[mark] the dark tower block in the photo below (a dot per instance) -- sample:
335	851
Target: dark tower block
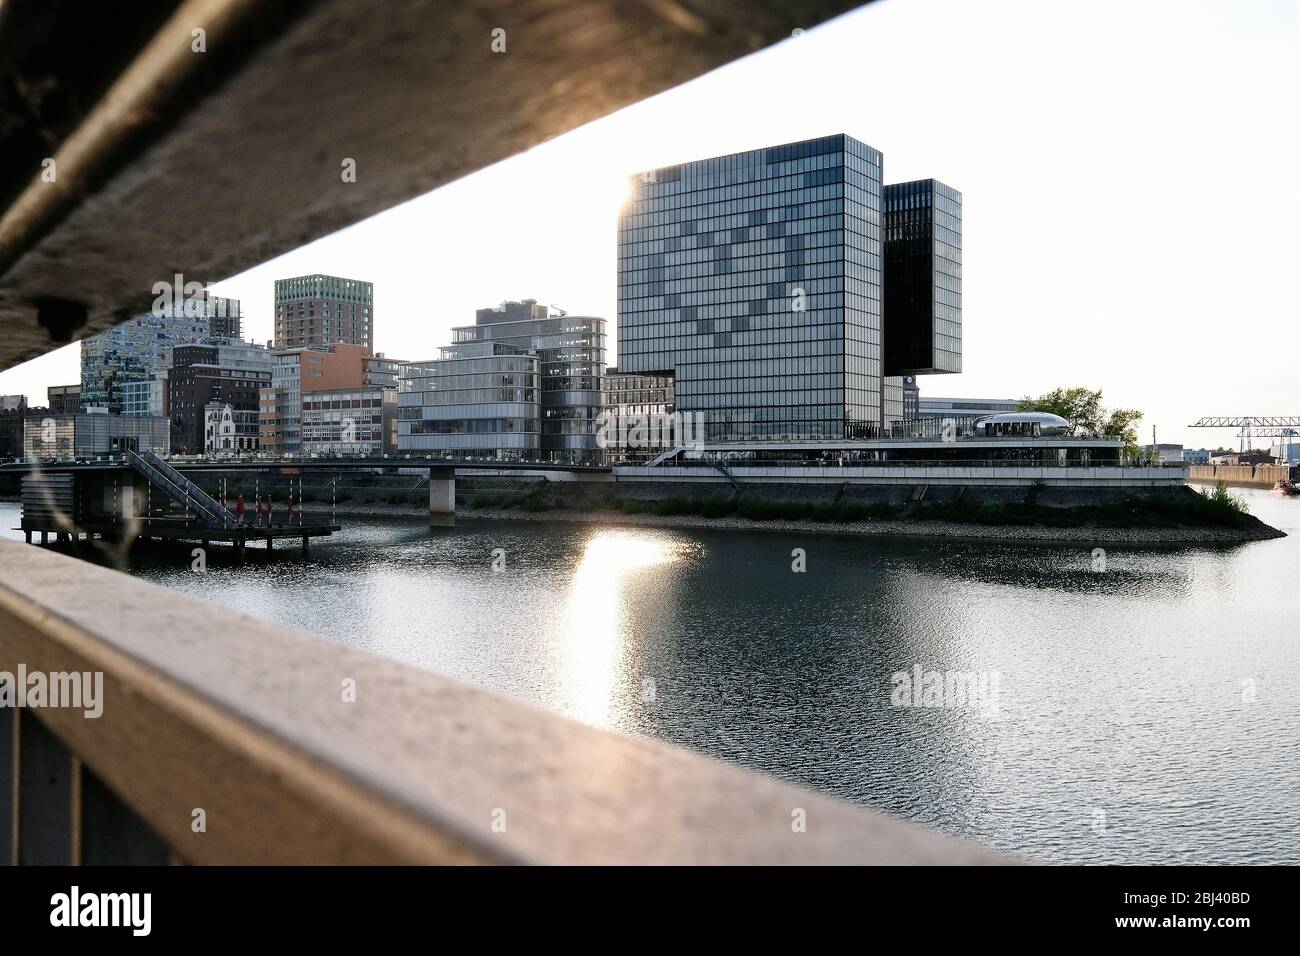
922	287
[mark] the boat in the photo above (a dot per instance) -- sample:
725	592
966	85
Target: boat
1286	486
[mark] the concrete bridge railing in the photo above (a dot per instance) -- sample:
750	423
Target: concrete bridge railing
224	739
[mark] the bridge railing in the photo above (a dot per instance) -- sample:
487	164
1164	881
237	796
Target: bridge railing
225	739
735	462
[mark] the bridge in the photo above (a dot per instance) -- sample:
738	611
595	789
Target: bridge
441	471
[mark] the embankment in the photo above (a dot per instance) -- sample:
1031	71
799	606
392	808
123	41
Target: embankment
1241	476
1101	515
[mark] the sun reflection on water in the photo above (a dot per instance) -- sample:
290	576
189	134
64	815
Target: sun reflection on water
611	562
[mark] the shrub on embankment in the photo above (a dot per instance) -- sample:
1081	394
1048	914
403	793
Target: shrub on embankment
1181	508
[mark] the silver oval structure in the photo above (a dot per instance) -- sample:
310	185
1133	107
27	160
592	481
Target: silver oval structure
1022	425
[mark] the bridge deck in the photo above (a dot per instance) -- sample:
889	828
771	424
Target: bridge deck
310	464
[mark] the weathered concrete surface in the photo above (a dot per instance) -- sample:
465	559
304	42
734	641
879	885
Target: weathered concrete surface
1244	476
206	164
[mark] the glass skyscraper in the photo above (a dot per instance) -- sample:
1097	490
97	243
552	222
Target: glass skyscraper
523	382
478	400
757	281
922	278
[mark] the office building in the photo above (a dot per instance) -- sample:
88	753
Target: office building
224	318
147	396
1287	448
13	410
492	395
947	417
308	369
478	400
922	278
64	399
355	421
381	370
639	416
320	310
570	351
965	407
134	351
1164	451
54	437
226	372
756	281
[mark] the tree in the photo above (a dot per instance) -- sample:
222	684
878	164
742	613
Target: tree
1082	408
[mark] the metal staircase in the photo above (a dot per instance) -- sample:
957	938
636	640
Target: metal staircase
728	475
665	456
179	488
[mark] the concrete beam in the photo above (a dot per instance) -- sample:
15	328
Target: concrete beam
206	163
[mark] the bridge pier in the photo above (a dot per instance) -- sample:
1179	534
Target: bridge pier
442	497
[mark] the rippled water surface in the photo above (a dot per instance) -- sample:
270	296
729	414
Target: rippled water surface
1146	713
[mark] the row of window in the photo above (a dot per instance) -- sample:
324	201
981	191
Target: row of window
778	199
414	401
721	282
470	426
734	214
706	247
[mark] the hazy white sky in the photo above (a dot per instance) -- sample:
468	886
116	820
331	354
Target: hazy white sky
1128	171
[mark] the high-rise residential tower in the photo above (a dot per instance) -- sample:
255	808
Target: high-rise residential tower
323	310
757	280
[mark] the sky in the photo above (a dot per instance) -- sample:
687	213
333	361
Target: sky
1130	215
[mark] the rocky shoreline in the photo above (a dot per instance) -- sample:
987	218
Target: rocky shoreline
926	529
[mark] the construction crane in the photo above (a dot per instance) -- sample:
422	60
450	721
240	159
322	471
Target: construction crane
1253	426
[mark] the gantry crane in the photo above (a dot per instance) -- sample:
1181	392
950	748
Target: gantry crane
1254	426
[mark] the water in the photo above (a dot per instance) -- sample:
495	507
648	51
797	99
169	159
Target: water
1144	714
